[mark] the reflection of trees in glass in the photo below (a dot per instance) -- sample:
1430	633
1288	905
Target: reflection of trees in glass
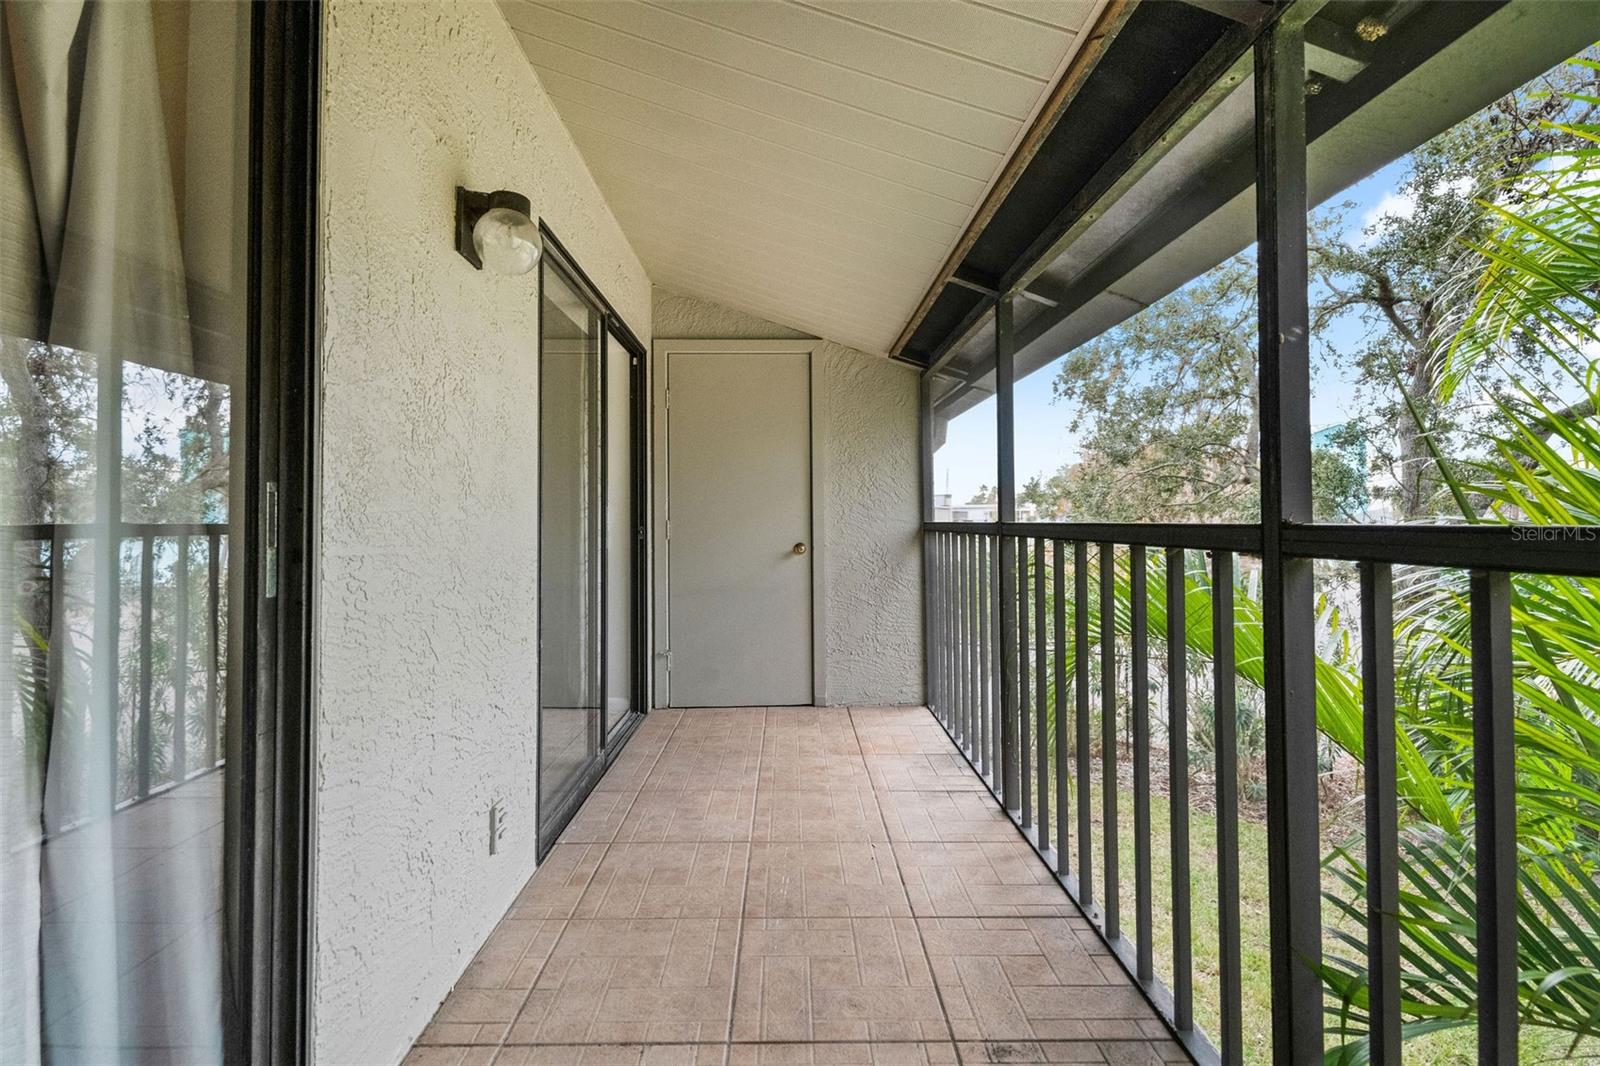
47	432
175	466
174	469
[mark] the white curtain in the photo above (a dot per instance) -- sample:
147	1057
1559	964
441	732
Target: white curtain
92	268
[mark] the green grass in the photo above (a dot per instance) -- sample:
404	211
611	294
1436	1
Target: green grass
1449	1047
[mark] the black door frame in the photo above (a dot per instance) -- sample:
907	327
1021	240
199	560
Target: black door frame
613	737
270	884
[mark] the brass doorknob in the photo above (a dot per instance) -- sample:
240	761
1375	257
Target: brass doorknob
800	548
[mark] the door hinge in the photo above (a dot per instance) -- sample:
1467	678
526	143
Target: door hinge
666	399
669	529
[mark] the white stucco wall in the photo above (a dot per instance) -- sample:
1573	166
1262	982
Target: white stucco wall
426	621
873	521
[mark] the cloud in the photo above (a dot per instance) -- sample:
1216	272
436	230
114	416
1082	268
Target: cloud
1397	205
1390	205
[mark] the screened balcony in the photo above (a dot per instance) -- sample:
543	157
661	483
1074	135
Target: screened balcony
856	533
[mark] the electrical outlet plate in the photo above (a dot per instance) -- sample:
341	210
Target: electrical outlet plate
497	826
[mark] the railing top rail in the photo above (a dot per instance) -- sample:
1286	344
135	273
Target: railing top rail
85	530
1221	537
1567	550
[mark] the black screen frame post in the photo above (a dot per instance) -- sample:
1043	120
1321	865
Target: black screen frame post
270	957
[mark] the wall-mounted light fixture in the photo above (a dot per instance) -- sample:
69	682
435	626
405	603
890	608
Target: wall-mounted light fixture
495	230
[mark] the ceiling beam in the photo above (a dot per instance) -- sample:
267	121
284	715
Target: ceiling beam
1095	45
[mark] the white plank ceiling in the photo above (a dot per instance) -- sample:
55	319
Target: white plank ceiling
809	161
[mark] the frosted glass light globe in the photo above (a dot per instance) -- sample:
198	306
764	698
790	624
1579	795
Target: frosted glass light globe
506	240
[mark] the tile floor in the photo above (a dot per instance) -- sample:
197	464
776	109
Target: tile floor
791	886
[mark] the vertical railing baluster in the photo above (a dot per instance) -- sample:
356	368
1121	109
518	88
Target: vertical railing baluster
1110	906
1080	682
980	609
1041	674
1138	623
1495	825
142	728
946	641
180	670
1011	780
940	702
996	648
974	674
981	652
1383	841
55	662
1058	552
214	652
1227	787
969	643
1024	676
1178	788
930	567
964	620
957	641
952	633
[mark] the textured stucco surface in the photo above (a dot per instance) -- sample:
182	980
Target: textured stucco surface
427	613
872	532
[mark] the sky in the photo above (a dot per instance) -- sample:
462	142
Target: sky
1043	441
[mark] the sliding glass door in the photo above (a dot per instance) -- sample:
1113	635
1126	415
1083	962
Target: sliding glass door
140	462
592	508
571	509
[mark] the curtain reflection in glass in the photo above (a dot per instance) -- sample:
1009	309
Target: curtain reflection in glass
122	199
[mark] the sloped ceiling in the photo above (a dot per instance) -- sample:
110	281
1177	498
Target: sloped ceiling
809	161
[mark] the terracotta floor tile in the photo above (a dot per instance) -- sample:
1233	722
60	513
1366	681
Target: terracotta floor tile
456	1034
844	814
833	979
687	765
722	723
513	955
814	769
613	1055
905	740
630	770
426	1055
1030	1052
690	815
928	1053
656	980
951	817
668	880
1022	979
911	773
474	1016
801	731
598	820
988	878
556	886
824	879
805	886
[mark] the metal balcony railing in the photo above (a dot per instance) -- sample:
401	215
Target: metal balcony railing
1022	660
71	598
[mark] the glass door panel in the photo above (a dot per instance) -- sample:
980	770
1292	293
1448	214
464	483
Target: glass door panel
621	523
123	398
571	569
